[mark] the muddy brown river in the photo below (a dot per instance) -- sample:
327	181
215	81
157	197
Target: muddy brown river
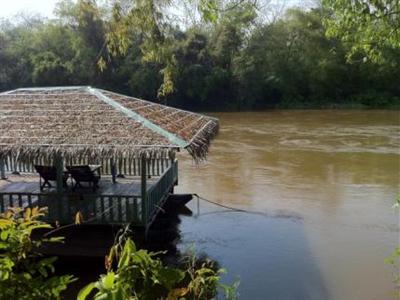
321	185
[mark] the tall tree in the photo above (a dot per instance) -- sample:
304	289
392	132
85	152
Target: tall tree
152	20
369	27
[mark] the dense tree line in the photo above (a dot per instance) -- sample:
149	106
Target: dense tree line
236	62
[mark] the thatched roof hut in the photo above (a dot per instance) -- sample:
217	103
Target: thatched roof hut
89	122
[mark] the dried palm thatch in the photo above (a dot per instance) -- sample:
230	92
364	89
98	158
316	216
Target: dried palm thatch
77	122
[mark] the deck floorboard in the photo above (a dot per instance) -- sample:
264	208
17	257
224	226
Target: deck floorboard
30	184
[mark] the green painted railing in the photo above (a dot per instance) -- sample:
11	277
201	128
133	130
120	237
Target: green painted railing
159	192
95	209
99	209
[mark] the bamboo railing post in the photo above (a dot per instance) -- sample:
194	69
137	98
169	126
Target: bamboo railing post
2	169
113	170
143	186
172	159
59	164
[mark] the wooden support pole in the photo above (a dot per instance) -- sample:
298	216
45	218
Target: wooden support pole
175	163
113	170
143	169
2	169
59	164
174	169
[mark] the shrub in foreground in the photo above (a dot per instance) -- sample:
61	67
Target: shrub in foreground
140	274
131	273
25	273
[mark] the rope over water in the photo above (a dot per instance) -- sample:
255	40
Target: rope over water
230	209
233	209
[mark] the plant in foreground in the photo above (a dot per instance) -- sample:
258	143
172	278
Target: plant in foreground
140	274
24	273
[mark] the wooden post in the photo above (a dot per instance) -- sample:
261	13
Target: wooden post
113	170
143	168
59	164
176	172
2	169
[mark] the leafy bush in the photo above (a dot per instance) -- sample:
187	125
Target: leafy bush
24	273
141	275
131	273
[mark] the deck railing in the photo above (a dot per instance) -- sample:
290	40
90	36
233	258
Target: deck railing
95	209
159	192
126	166
99	209
16	199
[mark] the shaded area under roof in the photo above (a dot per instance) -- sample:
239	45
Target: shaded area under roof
94	123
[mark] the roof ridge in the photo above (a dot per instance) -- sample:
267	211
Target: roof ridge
47	88
151	102
139	118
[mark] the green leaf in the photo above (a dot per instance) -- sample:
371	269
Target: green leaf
85	291
118	294
43	271
108	280
57	239
4	235
129	248
170	277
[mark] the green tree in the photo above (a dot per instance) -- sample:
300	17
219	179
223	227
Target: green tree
369	27
151	19
226	58
86	20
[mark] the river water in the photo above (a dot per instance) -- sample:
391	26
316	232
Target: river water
321	184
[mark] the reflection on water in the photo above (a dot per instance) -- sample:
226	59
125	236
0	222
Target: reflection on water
270	255
326	181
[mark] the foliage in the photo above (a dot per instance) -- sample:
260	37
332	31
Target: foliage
370	27
139	274
131	273
227	59
24	274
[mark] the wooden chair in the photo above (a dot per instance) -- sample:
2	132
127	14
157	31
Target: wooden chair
49	173
85	173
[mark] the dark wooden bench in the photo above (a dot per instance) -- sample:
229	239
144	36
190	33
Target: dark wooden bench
85	173
49	173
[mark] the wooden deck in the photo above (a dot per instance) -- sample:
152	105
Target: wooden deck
112	203
30	184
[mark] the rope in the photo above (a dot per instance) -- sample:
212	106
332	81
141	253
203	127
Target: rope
82	222
230	209
233	209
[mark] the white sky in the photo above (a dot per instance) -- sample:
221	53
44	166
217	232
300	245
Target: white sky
9	8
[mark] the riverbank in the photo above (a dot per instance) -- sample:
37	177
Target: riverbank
349	104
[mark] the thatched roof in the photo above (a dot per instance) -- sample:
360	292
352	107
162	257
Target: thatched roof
89	122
